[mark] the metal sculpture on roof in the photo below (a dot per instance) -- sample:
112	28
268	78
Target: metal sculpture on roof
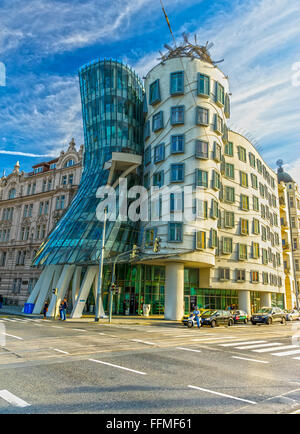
188	49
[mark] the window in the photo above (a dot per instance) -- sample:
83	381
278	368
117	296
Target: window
229	194
255	250
256	227
217	152
177	83
265	278
41	208
60	202
201	178
218	124
244	227
69	163
146	180
216	180
259	166
159	153
154	92
201	149
252	160
147	156
177	172
254	276
38	170
265	256
229	219
227	106
52	166
70	179
229	170
201	208
25	211
228	150
202	116
220	94
214	211
242	154
176	202
147	130
158	179
12	193
254	181
177	144
295	244
213	238
263	233
203	85
157	121
255	203
64	180
244	202
224	274
243	253
243	179
175	232
200	240
240	275
177	115
226	245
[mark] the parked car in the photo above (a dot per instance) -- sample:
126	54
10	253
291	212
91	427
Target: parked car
240	316
269	315
292	315
217	317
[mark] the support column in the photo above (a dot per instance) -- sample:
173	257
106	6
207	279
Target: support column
47	282
244	301
265	299
62	286
174	291
39	284
76	284
84	291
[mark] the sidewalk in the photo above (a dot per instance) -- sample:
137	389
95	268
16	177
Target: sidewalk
89	318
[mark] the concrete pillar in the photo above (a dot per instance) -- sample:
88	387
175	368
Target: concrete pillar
174	291
47	283
39	284
244	301
84	291
76	284
62	286
265	299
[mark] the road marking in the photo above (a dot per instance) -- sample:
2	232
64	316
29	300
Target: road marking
251	360
79	330
57	327
266	350
188	349
8	319
249	347
222	394
142	342
296	358
117	366
13	399
60	351
213	339
286	353
12	336
241	343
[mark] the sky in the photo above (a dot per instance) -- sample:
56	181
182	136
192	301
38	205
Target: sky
44	42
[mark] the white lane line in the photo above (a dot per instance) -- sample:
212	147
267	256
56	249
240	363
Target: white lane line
222	394
296	358
212	339
241	343
287	353
266	350
117	366
13	399
251	360
60	351
12	336
79	330
57	327
102	334
188	349
249	347
143	342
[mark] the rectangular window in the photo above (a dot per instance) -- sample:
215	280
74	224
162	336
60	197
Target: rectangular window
254	276
252	160
244	227
265	256
244	202
254	181
203	85
226	245
218	124
175	232
243	253
157	121
214	211
147	156
177	172
255	250
229	170
177	144
229	194
202	116
256	227
216	180
159	153
201	149
158	178
201	178
200	240
177	115
213	238
201	208
217	152
228	150
243	179
220	94
224	274
177	83
242	154
263	233
154	92
147	130
229	219
176	202
70	179
240	275
255	203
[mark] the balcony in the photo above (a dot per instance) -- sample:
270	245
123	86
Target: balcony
286	247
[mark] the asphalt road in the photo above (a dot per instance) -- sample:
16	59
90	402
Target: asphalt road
75	367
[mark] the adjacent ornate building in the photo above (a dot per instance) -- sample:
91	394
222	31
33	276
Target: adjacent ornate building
31	204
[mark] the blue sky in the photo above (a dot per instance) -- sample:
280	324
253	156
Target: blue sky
44	42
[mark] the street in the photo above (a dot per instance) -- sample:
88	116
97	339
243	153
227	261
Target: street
51	366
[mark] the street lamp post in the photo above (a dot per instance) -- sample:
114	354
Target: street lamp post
100	277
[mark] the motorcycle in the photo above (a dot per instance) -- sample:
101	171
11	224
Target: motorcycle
192	322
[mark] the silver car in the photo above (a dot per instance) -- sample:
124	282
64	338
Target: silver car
292	315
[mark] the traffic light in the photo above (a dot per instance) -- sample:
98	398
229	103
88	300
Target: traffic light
156	247
135	250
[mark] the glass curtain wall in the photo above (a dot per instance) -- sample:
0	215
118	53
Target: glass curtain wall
112	110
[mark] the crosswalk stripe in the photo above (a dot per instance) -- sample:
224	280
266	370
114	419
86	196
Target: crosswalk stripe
213	339
265	350
232	344
286	353
296	358
13	399
249	347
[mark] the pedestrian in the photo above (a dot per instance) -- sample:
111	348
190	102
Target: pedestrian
64	309
61	311
45	309
197	316
1	301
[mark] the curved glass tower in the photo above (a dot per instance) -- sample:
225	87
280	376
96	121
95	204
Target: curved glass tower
112	108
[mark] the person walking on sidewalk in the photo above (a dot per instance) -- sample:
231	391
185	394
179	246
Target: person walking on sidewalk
1	301
45	309
64	309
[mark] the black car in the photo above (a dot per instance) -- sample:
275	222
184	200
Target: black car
269	315
217	317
